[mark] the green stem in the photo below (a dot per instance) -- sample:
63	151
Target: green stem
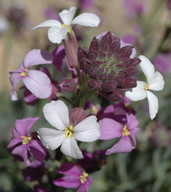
67	100
79	76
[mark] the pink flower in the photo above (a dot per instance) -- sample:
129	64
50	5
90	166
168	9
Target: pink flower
75	177
37	82
24	145
111	129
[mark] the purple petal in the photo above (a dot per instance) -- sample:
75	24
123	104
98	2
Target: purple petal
85	187
13	142
69	169
110	129
132	121
37	150
123	44
58	57
29	98
14	79
22	151
37	57
38	83
23	126
122	146
132	136
68	182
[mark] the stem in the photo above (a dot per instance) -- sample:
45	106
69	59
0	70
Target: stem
67	100
79	76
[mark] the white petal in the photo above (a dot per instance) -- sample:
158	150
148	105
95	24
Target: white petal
153	104
70	148
67	15
56	34
56	113
157	83
137	93
49	23
51	138
87	19
147	67
87	130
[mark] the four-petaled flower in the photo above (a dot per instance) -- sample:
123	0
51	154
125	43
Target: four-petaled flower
75	177
111	129
154	82
24	144
37	82
57	114
58	31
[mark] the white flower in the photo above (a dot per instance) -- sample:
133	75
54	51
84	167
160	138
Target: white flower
65	135
58	31
154	82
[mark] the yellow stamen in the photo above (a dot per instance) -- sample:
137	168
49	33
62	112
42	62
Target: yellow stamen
83	177
95	109
24	73
147	86
26	140
69	27
69	131
125	131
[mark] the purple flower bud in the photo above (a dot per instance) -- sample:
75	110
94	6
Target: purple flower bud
69	85
110	65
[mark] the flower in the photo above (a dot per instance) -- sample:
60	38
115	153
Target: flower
154	82
111	129
75	177
56	113
25	145
58	31
110	65
37	82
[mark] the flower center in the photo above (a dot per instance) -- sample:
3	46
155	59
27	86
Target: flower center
24	73
147	86
83	177
69	131
95	109
26	140
125	131
69	27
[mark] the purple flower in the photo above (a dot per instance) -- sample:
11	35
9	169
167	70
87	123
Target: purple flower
163	62
75	177
24	144
92	161
37	82
111	129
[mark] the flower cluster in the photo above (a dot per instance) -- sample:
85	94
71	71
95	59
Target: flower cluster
106	72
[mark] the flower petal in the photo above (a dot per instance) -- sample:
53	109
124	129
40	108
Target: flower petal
137	93
67	15
38	83
153	104
37	150
87	19
14	79
51	138
122	146
147	67
132	121
23	126
69	169
87	130
157	83
70	148
68	182
85	186
56	35
37	57
49	23
110	129
57	114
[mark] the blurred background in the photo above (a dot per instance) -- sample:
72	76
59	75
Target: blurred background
145	24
